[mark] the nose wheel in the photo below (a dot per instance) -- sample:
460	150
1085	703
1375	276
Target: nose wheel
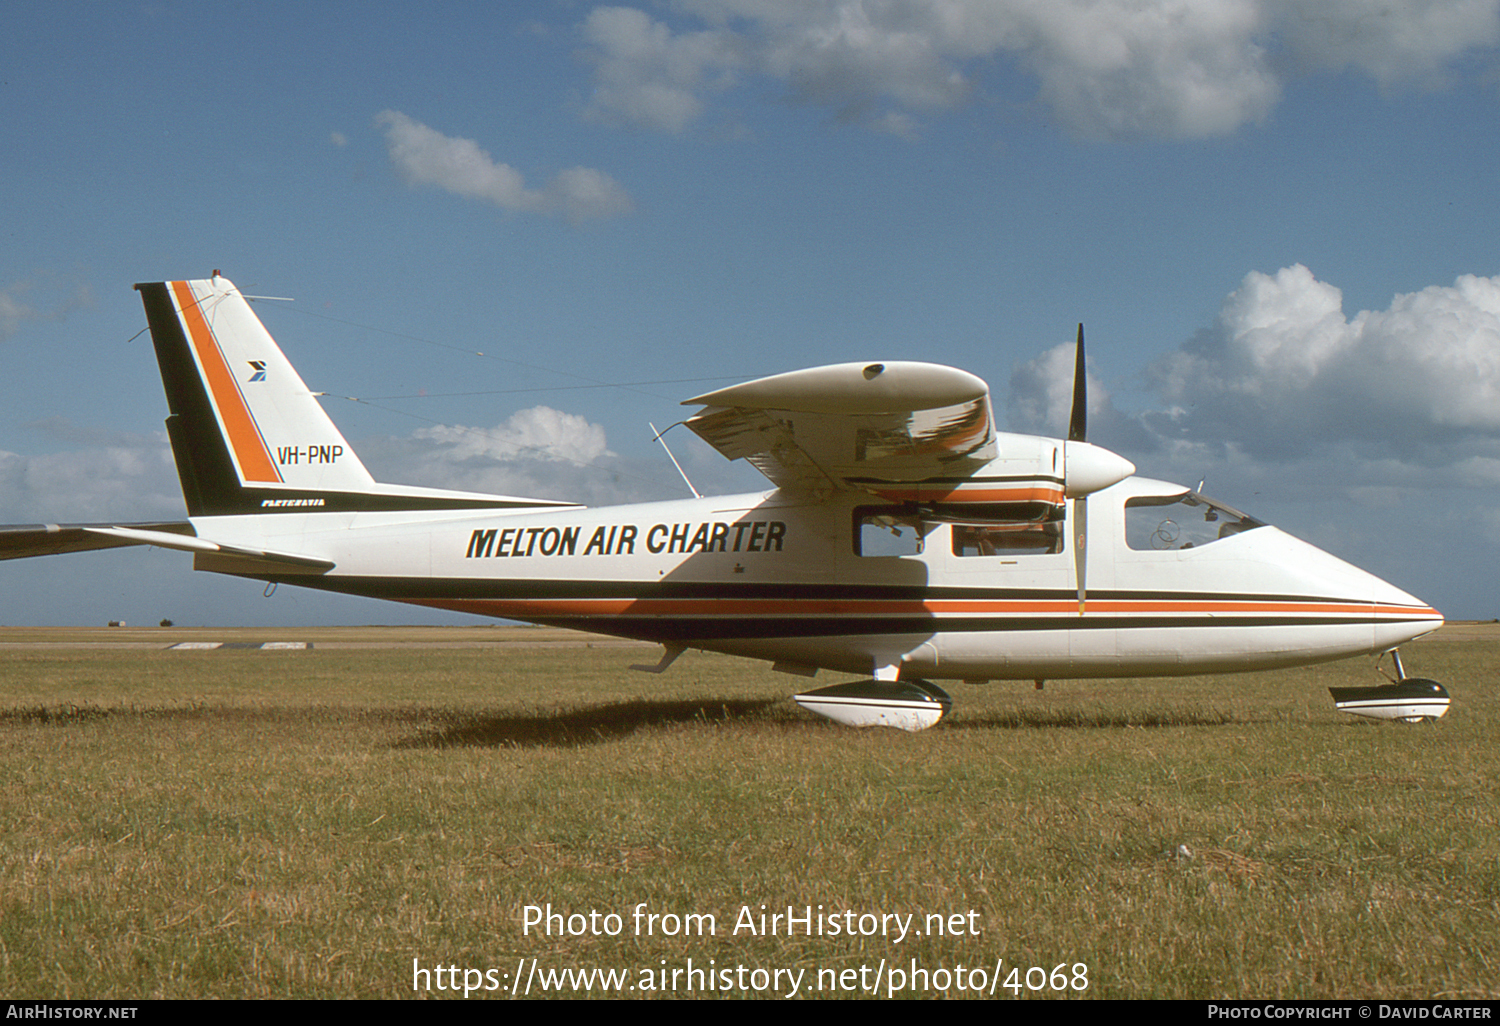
1407	699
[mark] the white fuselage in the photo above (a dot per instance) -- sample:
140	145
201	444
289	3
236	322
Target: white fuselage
758	576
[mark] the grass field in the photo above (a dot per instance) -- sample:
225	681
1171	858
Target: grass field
321	823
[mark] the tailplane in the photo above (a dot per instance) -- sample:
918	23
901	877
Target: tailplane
247	434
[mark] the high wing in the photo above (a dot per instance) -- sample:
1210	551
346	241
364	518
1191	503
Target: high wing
816	430
913	433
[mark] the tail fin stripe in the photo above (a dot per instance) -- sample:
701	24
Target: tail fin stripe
250	452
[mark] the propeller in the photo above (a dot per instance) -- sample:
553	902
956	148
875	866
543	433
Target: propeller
1086	469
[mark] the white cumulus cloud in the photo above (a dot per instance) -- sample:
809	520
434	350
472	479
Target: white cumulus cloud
1041	392
1411	40
1108	69
648	76
537	453
540	433
1284	368
101	476
1171	68
1286	385
425	156
41	297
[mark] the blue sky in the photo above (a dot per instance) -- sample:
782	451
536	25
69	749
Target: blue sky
1278	219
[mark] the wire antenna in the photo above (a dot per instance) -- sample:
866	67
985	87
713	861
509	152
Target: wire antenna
663	441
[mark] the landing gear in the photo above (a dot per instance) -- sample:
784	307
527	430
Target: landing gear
1408	699
910	705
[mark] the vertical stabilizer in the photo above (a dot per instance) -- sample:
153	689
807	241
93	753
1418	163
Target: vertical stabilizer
247	433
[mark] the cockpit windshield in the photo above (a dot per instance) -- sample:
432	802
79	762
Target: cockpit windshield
1184	521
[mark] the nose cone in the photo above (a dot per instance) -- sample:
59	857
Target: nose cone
1401	617
1395	615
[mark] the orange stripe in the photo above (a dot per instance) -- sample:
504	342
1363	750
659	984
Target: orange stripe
239	426
888	607
931	493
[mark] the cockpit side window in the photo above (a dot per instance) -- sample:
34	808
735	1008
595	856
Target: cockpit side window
1008	539
1186	521
888	531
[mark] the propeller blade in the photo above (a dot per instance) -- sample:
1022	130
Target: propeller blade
1081	547
1078	424
1078	429
1086	467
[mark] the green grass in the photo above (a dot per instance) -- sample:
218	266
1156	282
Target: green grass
305	824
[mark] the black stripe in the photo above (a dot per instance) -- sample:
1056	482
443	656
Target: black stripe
210	485
513	589
678	629
704	629
290	500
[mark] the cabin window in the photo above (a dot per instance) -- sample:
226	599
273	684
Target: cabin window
1186	521
887	531
1008	539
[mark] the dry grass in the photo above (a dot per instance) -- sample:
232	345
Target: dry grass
305	824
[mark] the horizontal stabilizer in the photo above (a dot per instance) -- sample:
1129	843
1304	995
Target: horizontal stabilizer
187	543
51	539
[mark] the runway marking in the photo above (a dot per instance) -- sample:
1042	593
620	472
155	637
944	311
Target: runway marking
264	646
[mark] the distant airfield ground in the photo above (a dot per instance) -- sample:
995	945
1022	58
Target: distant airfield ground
497	635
